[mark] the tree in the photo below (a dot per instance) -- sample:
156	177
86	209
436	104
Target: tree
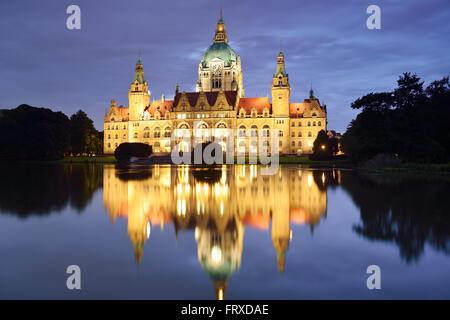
321	147
408	122
84	137
29	133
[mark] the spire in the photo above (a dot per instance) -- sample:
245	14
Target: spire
221	21
139	72
311	93
221	34
280	65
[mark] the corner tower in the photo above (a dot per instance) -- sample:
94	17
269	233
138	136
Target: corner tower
138	94
220	67
281	89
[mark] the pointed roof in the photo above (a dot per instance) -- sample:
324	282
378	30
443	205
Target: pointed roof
139	72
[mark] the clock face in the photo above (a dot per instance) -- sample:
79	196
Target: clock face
216	69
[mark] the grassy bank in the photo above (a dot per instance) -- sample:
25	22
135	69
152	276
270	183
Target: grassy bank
98	159
416	167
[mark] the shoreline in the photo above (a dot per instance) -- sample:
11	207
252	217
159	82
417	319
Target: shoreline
302	161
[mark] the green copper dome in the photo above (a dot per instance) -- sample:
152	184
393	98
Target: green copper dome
219	50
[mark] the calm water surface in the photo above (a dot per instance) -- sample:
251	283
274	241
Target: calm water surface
182	233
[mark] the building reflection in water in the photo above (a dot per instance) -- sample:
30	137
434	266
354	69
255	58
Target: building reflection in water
218	204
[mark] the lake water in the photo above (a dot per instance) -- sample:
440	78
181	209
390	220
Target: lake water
169	232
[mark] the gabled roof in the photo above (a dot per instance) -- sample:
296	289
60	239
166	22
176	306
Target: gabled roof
259	104
160	106
298	108
211	97
122	111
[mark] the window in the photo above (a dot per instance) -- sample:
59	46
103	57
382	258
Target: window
320	123
299	143
293	143
109	145
292	124
241	132
254	131
299	134
314	123
293	134
266	131
157	133
299	123
135	135
125	136
167	132
117	136
109	136
309	124
309	134
280	133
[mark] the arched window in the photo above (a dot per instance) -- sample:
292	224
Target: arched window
280	133
299	143
241	132
309	134
299	123
254	131
293	134
117	127
157	133
299	134
117	136
109	136
135	135
253	113
109	145
125	136
314	123
167	132
320	123
309	124
266	131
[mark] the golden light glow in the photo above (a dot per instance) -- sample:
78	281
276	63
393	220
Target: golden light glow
310	180
216	254
221	294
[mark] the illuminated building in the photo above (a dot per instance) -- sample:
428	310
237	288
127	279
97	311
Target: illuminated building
218	105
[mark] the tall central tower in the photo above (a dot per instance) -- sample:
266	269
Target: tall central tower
138	94
220	67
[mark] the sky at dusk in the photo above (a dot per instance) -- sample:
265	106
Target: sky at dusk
326	43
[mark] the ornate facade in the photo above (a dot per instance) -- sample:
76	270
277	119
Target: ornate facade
218	106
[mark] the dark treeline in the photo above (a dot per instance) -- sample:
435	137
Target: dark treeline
410	123
410	211
29	133
39	189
